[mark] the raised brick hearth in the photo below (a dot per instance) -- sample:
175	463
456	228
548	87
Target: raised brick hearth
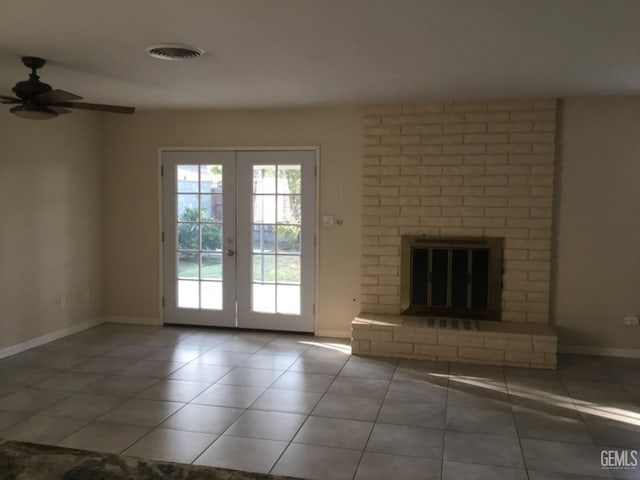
484	342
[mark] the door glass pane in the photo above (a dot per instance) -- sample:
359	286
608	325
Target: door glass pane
188	265
288	239
211	294
187	178
264	179
264	209
289	179
211	266
188	295
289	299
263	298
264	268
188	236
187	208
459	277
211	237
211	208
210	178
264	238
289	208
288	269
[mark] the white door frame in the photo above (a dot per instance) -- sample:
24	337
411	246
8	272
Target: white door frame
161	212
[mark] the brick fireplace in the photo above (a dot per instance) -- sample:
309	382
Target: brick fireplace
461	169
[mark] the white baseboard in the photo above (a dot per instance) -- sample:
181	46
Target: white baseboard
49	337
133	320
333	333
601	351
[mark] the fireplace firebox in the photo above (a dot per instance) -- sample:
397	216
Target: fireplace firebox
452	276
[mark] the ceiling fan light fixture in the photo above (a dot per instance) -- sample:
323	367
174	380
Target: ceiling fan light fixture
174	51
33	112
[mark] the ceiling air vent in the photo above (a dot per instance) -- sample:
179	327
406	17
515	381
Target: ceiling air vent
174	51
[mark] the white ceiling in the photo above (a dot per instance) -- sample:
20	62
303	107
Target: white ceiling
266	53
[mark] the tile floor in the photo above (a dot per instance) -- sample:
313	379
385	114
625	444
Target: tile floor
302	406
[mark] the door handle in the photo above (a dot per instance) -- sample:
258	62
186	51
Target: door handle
230	253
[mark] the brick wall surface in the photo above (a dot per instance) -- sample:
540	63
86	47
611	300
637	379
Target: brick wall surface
460	169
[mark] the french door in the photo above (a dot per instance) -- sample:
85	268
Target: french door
239	230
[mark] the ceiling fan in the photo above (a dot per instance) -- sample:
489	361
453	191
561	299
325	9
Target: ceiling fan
38	101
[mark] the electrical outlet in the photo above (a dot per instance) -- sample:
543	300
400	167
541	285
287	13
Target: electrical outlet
631	320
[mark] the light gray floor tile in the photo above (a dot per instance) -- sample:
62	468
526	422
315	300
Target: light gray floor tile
11	418
537	475
42	429
362	387
70	381
60	360
292	401
365	367
562	426
471	471
421	392
173	391
478	372
497	422
403	440
120	386
225	359
426	374
150	369
148	413
25	376
133	351
622	434
376	466
31	400
501	451
562	457
348	406
306	382
10	387
627	376
178	355
203	418
412	414
229	396
334	432
433	367
250	377
269	362
312	364
317	463
104	365
612	395
195	372
83	406
171	445
266	425
105	437
477	398
232	452
239	345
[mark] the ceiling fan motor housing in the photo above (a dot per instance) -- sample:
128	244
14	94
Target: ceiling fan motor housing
28	89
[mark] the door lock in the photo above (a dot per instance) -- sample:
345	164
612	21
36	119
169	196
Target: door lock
230	253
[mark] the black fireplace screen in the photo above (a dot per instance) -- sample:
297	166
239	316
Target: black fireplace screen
452	276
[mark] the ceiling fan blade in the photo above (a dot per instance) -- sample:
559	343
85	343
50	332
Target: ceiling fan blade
56	96
97	107
5	99
59	110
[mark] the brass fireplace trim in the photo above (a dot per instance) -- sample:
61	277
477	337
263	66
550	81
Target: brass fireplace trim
495	247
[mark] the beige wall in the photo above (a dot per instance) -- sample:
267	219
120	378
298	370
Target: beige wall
50	242
597	251
131	213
